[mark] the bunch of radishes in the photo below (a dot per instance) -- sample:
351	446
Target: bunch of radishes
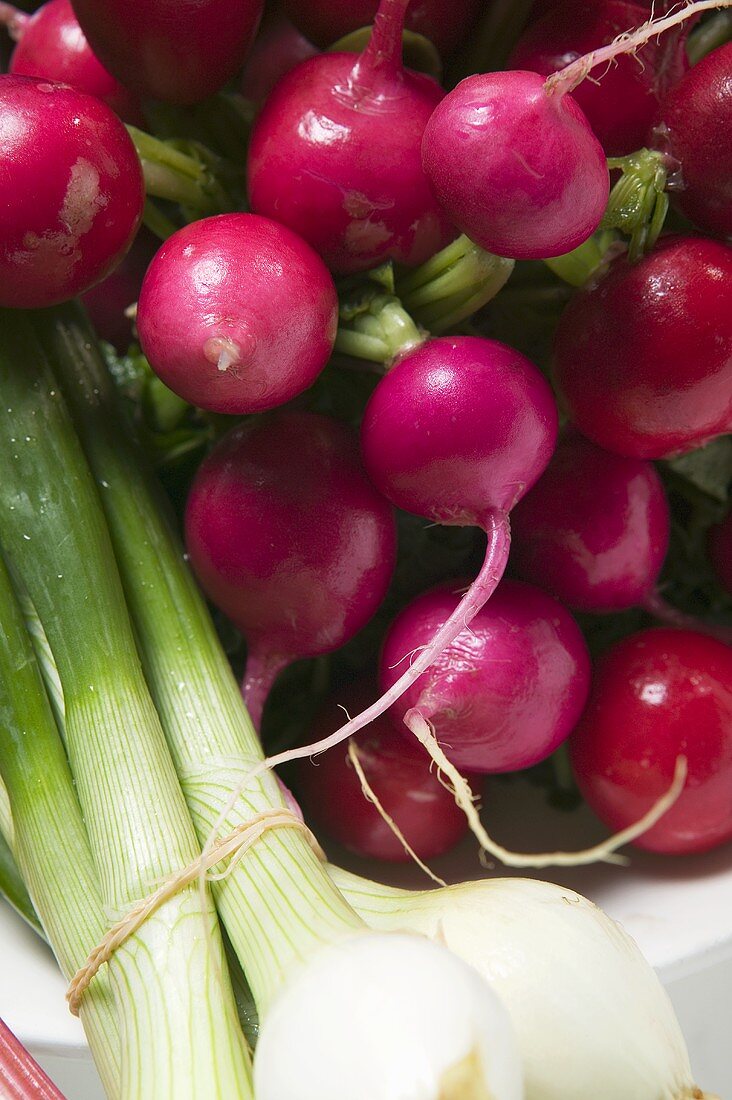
359	169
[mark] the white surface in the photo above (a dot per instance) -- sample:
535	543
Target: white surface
678	910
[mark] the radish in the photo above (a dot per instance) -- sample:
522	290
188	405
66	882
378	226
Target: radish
72	192
643	357
622	105
515	168
51	45
290	540
180	51
335	154
444	22
696	128
507	691
594	530
657	695
237	314
399	774
278	47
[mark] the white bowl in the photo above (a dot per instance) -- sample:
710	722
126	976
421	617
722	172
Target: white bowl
679	911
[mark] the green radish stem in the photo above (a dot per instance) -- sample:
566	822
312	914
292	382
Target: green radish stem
56	539
277	905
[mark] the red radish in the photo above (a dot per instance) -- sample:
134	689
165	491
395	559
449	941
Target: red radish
456	432
720	551
594	530
696	128
516	169
444	22
643	357
278	47
507	691
658	695
71	192
335	154
290	540
21	1078
237	314
107	302
399	774
51	45
622	105
180	51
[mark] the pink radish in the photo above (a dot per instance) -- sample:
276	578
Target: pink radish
237	314
399	775
51	45
71	192
180	51
290	540
335	154
444	22
507	691
622	105
696	128
643	357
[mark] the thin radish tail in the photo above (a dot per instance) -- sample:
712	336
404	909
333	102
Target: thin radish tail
14	20
656	605
384	49
499	540
567	79
260	673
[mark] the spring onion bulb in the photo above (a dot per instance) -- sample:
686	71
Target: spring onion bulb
591	1017
390	1016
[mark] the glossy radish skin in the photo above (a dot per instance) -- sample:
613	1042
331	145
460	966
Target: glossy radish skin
621	106
278	47
506	692
107	303
643	357
237	314
515	168
71	192
656	695
444	22
399	773
696	128
459	427
335	155
180	51
289	539
594	530
52	46
720	551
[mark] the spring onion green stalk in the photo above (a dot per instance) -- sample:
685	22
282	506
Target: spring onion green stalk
591	1017
13	889
280	909
49	838
180	1037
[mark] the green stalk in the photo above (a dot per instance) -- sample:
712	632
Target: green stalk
189	176
12	887
577	266
180	1037
376	327
49	838
278	905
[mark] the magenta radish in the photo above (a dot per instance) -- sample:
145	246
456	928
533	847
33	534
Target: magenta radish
51	45
643	357
656	696
444	22
507	691
335	154
516	169
180	51
398	773
621	106
594	530
71	192
278	47
696	128
288	537
237	314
